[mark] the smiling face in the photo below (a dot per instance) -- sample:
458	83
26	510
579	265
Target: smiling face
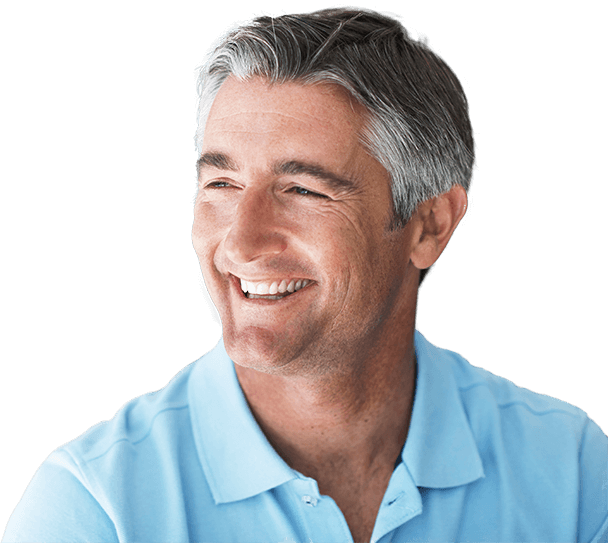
291	229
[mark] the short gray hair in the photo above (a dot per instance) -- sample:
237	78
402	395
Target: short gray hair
418	124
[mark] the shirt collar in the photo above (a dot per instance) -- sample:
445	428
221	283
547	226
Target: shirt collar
230	444
440	451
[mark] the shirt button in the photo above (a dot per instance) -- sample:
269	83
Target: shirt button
310	500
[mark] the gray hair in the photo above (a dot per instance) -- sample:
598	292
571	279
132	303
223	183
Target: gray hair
418	125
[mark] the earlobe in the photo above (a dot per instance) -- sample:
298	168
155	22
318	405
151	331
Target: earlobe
437	219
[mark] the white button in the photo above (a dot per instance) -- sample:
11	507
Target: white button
309	500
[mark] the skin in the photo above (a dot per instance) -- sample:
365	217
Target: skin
329	371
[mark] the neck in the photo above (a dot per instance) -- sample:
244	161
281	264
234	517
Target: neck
354	419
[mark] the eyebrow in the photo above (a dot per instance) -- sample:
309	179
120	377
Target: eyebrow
222	161
216	160
295	167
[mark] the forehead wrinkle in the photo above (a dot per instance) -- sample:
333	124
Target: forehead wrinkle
261	121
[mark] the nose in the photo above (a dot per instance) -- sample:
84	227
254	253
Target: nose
255	229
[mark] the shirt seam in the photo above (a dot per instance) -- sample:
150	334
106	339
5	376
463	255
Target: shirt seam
520	403
138	441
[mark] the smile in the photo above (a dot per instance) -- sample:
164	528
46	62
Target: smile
272	290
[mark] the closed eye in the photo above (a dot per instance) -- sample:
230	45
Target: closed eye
218	185
307	192
298	190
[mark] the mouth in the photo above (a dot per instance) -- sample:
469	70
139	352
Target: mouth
275	289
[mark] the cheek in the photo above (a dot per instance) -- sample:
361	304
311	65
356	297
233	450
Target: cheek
345	260
206	230
371	269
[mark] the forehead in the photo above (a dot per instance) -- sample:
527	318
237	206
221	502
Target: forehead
256	106
258	92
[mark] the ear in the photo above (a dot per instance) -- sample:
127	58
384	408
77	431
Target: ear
436	219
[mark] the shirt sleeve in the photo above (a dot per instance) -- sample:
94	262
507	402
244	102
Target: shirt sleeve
593	498
57	507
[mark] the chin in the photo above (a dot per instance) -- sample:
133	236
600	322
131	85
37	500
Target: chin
267	351
262	350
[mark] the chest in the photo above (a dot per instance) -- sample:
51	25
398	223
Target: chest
360	505
360	520
360	515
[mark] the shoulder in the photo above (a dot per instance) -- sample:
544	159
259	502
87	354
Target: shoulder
497	406
137	421
544	449
75	492
510	424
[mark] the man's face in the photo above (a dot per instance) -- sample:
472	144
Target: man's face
293	210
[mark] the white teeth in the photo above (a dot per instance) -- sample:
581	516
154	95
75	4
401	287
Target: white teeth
262	288
276	287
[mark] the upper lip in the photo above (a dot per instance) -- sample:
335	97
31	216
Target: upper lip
271	279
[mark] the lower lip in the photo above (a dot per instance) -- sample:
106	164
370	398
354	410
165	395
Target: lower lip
237	283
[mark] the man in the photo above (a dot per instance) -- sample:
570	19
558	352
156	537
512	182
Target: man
334	158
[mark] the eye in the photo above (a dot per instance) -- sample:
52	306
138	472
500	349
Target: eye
306	192
217	185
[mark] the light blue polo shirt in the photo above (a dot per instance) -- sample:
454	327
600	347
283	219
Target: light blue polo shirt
484	461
